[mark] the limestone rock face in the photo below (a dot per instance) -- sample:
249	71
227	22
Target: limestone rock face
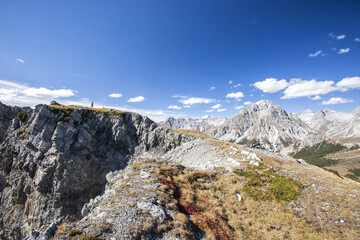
51	164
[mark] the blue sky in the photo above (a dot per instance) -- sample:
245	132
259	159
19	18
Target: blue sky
196	57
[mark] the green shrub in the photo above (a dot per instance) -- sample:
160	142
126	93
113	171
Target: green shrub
73	232
193	177
315	154
355	171
352	177
354	147
270	186
65	119
284	188
22	116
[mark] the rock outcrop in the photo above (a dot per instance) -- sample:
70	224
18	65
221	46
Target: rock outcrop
54	160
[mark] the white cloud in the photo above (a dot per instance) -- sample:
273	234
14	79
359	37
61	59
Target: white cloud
136	99
340	37
308	88
317	97
271	85
179	96
247	103
216	106
20	60
47	93
192	101
239	107
230	82
237	85
357	39
349	82
336	100
174	107
209	111
236	96
22	95
221	110
211	88
315	54
16	94
187	106
115	95
343	50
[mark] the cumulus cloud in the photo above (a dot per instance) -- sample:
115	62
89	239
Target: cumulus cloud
17	94
313	89
211	88
196	100
340	37
22	95
236	96
343	50
357	39
237	85
349	82
221	110
47	93
136	99
317	97
271	85
216	106
230	82
174	107
20	60
115	95
336	100
187	106
209	111
315	54
308	88
239	107
247	103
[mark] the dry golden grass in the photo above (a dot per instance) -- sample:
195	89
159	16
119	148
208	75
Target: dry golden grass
97	110
210	197
61	229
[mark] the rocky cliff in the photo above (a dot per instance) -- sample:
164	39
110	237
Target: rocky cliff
54	159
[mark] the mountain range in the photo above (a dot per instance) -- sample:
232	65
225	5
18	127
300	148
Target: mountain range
265	124
333	124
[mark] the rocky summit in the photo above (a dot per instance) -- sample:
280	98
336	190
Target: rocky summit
265	125
68	172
